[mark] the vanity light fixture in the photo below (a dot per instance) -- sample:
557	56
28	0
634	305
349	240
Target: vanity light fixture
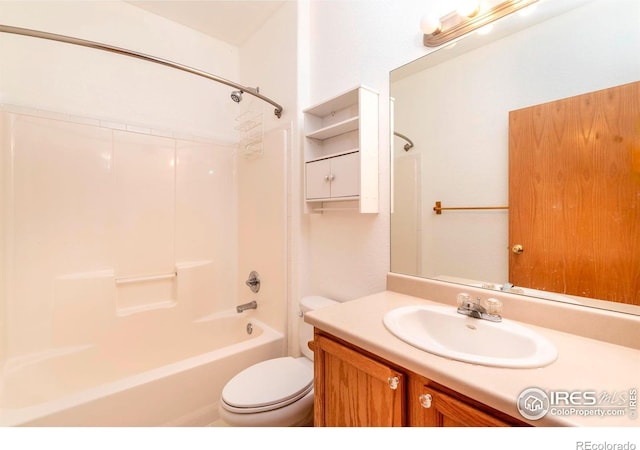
468	16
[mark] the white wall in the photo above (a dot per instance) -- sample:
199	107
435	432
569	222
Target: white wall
352	43
262	226
61	77
86	205
4	141
268	59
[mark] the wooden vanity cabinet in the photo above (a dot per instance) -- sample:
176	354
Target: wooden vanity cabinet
355	388
431	407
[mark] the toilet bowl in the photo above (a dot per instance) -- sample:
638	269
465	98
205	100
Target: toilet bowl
277	392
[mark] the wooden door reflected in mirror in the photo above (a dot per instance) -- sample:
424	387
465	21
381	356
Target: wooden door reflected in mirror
574	190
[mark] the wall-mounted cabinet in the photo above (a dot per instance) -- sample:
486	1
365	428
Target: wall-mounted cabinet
341	151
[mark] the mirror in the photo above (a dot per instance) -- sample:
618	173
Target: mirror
454	105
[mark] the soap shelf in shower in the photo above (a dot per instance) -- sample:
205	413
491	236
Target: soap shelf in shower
129	310
136	294
145	278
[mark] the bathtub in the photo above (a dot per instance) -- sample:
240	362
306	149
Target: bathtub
170	377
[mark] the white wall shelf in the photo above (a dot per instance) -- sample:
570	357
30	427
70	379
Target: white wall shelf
337	129
341	151
333	155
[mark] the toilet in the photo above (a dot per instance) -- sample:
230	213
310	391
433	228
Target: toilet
277	392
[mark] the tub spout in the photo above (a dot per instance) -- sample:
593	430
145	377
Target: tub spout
245	306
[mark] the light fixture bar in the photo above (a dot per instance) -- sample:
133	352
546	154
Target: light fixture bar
470	24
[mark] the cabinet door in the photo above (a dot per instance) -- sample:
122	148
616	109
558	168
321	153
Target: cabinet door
431	408
317	179
345	175
353	390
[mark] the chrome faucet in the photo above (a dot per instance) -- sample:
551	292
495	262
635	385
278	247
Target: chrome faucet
245	306
477	311
509	287
506	287
253	281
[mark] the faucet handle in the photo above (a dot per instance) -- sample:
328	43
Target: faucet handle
462	298
493	306
253	281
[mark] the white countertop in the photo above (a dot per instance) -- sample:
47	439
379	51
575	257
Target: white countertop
582	363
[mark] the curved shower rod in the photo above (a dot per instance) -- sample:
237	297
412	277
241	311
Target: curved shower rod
165	62
409	145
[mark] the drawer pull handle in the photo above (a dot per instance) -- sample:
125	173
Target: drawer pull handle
393	382
425	400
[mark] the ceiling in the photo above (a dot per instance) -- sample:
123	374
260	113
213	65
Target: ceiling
229	21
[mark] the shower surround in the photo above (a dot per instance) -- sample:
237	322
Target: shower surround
121	243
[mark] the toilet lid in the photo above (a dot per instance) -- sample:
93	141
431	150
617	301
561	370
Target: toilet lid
271	382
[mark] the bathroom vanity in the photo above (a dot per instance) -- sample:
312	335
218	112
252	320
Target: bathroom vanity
354	388
365	376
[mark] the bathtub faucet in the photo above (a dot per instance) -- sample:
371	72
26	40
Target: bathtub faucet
245	306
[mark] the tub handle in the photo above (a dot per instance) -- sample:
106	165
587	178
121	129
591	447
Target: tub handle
253	281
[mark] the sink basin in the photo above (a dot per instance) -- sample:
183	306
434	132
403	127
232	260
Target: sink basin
442	331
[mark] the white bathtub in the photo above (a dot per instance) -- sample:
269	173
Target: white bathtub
171	377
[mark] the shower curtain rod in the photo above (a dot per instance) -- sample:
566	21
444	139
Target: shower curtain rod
165	62
409	145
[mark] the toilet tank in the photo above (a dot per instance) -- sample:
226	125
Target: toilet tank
305	331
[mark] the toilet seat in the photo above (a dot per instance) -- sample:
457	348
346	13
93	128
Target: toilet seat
268	385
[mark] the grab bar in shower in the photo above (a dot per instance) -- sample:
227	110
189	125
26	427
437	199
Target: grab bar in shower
144	278
165	62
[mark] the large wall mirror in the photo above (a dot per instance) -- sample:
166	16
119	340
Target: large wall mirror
459	106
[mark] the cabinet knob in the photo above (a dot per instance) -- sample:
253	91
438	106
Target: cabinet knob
425	400
393	382
517	249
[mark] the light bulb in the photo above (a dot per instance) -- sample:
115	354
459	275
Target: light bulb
429	24
468	8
